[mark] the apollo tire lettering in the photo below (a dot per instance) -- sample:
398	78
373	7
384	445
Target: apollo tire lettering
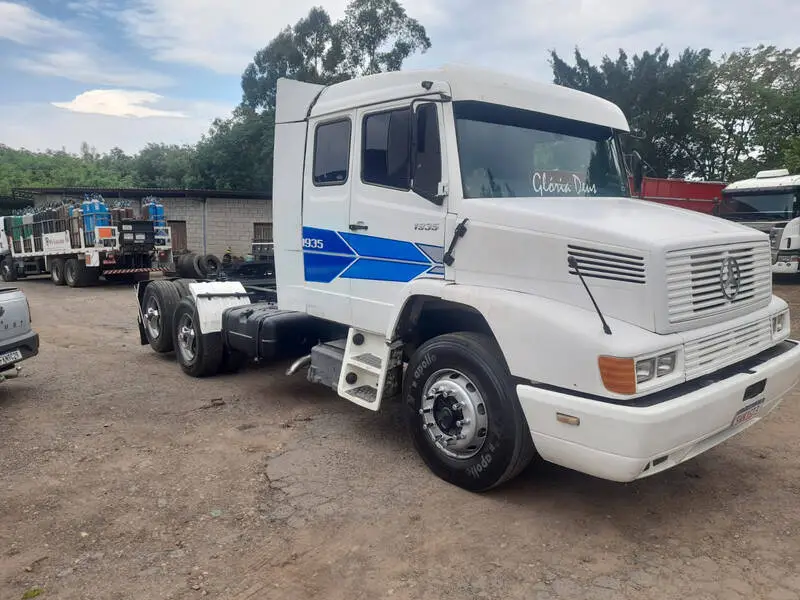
427	361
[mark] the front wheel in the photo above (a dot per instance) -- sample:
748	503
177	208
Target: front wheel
8	269
463	412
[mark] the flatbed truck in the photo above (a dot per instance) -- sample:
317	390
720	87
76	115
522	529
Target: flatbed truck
76	256
465	242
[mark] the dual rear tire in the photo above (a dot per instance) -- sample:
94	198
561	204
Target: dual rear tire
172	323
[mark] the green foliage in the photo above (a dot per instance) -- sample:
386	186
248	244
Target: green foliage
718	121
372	37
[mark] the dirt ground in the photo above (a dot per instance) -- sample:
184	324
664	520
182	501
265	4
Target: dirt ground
123	478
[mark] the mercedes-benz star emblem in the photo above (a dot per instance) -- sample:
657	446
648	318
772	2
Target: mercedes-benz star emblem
730	277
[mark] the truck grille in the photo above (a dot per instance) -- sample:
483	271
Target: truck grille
717	351
698	284
605	264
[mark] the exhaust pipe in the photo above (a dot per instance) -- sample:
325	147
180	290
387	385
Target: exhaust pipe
298	364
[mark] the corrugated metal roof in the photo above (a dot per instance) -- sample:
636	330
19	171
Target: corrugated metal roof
142	192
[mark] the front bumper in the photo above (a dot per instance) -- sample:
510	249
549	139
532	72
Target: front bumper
626	441
28	345
784	266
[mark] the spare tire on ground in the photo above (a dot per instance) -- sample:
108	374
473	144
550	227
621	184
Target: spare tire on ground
185	265
211	264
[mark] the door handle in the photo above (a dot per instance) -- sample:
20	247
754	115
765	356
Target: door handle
360	225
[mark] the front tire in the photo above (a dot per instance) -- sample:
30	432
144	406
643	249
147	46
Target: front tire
198	354
8	269
463	412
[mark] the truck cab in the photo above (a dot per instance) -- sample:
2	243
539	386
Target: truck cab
465	242
769	202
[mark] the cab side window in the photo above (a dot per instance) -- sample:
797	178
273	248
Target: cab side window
386	149
332	153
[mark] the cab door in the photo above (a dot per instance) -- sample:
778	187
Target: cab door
326	204
396	232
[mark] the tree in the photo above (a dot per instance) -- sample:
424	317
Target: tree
164	166
660	99
373	36
791	155
376	36
236	154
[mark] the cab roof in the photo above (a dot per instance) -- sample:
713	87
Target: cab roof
464	83
765	180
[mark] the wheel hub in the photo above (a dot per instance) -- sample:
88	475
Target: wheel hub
186	337
454	414
153	318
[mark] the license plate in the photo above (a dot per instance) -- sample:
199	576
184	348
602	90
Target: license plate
747	413
10	357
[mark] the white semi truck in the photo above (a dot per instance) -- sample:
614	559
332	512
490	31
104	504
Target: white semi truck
769	202
465	241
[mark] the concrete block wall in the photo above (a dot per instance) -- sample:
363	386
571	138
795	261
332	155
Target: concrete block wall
191	211
230	223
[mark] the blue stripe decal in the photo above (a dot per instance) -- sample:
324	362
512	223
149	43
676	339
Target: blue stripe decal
384	270
324	268
328	255
375	247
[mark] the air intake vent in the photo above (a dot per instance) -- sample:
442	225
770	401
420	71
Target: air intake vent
604	264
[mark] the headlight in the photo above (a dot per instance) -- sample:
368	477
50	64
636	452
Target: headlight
666	364
624	375
645	370
780	324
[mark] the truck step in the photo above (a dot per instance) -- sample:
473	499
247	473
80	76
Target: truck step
369	369
366	393
368	362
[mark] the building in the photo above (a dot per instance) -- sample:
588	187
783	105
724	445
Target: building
202	221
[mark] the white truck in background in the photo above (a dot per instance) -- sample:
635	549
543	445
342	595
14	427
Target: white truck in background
769	202
465	241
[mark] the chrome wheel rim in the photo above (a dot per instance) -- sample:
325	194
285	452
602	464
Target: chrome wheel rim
454	414
152	318
187	340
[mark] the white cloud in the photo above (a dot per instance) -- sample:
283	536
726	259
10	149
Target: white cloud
89	68
55	49
23	25
516	35
224	35
41	126
118	103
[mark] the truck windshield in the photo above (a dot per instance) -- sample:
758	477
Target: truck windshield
766	206
509	153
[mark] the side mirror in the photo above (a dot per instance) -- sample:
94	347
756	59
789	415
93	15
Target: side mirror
638	171
426	154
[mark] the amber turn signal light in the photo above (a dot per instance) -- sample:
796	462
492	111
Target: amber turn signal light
618	374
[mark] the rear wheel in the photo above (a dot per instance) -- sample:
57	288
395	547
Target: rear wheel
71	272
8	270
463	412
199	355
57	271
158	307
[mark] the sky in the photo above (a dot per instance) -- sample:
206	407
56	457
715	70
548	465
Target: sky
128	72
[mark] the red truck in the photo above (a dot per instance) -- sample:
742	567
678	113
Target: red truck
700	196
